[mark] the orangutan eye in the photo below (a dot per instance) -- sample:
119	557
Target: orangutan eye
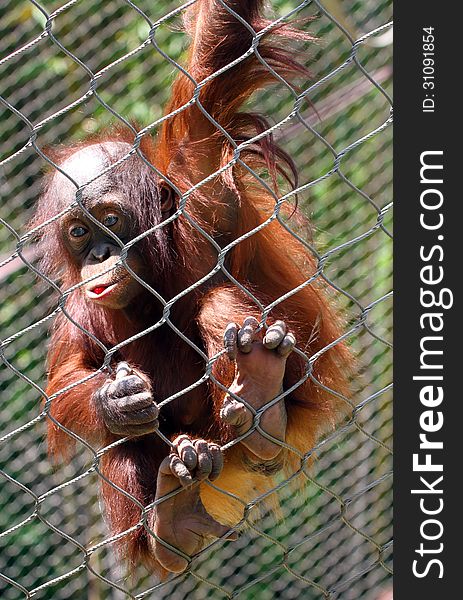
78	231
110	220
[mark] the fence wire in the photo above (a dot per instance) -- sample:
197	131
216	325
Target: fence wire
70	69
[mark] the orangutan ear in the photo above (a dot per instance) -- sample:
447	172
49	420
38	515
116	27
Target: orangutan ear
167	199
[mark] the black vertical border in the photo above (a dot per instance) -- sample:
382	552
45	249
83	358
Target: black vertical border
414	133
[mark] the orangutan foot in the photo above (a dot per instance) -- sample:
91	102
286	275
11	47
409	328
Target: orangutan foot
181	520
260	367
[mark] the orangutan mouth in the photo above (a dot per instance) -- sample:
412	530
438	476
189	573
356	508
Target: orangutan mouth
101	291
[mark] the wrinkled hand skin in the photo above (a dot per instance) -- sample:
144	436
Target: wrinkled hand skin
260	363
126	404
182	521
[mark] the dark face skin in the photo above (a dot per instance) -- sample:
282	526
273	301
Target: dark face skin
94	250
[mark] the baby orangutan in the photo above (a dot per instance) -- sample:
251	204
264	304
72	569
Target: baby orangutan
190	437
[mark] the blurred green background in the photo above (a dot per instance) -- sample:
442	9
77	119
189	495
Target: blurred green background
335	537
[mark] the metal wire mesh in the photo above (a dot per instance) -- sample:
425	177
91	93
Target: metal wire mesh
69	70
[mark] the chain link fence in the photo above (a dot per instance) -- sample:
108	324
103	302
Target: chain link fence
69	70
